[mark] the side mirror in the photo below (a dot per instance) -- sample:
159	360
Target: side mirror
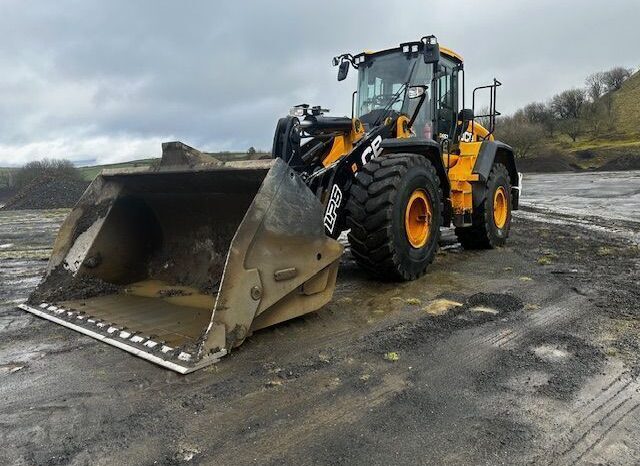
343	70
416	91
431	50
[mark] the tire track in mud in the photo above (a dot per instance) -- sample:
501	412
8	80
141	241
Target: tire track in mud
493	339
451	357
592	421
618	228
267	438
324	405
604	434
327	412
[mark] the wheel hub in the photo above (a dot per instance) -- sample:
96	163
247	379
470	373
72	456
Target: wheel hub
417	218
500	207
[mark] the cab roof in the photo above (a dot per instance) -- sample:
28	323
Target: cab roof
443	50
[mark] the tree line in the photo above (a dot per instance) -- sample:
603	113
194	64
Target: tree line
37	169
574	112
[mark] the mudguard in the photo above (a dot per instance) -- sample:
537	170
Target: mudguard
495	152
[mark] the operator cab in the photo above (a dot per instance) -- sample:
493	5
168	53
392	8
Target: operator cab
386	77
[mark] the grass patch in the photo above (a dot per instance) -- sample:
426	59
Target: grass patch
545	260
605	251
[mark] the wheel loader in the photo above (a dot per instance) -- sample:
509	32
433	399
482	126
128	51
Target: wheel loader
180	262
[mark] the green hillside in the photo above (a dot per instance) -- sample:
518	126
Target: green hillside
626	103
626	116
619	147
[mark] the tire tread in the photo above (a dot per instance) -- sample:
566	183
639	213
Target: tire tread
370	211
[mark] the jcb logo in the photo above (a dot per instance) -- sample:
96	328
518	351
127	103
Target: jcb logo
467	136
331	215
372	151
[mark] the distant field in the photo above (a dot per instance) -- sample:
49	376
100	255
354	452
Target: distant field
91	171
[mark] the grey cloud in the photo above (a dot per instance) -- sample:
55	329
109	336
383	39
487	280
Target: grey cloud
219	74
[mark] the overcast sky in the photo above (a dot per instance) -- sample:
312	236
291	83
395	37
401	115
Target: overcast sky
109	80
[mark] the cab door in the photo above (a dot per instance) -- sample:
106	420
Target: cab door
446	101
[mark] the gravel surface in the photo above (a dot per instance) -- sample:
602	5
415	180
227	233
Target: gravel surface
522	355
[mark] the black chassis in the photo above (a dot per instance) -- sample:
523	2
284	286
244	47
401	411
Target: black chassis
331	184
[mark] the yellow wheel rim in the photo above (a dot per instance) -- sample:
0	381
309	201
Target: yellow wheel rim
500	207
417	218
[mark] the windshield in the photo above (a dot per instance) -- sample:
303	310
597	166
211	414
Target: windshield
381	78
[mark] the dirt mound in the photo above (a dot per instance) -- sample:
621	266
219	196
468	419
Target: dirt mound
62	286
47	193
623	162
545	164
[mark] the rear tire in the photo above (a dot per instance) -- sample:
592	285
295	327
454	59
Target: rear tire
492	219
394	213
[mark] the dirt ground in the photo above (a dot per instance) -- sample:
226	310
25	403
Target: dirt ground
525	354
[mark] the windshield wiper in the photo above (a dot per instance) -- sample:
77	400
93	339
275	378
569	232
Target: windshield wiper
386	111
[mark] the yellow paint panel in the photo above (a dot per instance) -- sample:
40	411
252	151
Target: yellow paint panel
402	127
451	53
461	176
479	132
443	50
343	144
338	149
468	149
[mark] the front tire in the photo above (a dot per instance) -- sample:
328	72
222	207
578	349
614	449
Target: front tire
492	219
394	213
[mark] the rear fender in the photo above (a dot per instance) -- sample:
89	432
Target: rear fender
492	152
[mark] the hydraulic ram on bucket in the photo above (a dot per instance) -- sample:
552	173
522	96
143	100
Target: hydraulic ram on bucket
180	263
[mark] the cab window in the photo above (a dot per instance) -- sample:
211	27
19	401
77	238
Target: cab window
447	99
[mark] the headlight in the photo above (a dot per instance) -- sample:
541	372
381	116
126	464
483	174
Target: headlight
298	112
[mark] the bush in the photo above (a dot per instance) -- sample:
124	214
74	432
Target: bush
522	135
50	168
615	78
541	114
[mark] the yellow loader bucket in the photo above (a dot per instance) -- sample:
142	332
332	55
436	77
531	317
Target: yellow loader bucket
180	263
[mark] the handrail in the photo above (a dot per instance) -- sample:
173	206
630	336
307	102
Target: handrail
493	113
